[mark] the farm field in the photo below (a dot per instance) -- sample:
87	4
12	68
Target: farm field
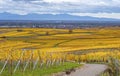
46	45
59	39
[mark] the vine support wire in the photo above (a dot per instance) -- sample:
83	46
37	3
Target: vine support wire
53	62
34	66
28	61
18	63
5	64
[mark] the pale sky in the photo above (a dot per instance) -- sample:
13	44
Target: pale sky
94	8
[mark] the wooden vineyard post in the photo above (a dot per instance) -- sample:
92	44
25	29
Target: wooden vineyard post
79	60
60	58
31	60
50	58
63	59
22	61
40	59
49	62
11	65
53	59
58	61
46	60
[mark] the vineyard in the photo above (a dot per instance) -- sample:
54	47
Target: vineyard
31	51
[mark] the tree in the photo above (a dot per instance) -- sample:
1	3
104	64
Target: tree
47	33
70	31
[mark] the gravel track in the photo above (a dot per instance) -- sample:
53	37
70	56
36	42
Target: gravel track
89	70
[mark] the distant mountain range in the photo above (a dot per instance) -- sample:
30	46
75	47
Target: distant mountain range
8	16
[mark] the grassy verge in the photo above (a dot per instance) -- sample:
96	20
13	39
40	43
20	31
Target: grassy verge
44	71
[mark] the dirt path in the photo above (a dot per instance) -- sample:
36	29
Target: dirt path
89	70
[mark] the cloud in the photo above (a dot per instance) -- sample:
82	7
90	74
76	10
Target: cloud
93	7
99	15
